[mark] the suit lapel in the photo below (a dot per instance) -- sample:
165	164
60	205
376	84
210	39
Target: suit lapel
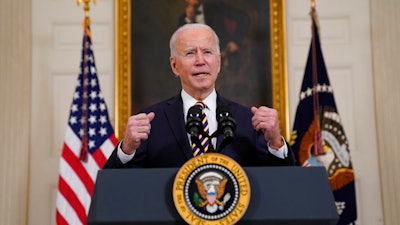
174	114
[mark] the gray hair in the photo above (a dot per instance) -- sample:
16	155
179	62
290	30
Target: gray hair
190	26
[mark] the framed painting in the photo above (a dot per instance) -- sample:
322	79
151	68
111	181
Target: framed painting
254	73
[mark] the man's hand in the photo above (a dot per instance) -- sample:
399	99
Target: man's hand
266	119
137	130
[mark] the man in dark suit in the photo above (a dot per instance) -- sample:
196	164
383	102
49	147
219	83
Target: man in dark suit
157	137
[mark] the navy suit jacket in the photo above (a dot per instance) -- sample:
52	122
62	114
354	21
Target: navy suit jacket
168	143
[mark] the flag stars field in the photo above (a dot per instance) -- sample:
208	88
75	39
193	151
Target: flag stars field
320	89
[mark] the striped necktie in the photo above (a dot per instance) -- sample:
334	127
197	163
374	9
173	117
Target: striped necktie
204	139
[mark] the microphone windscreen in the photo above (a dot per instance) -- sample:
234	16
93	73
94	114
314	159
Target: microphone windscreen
193	121
194	111
223	110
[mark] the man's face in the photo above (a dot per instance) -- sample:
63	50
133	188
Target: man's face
198	63
193	2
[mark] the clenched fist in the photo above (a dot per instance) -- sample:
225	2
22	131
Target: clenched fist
266	120
137	130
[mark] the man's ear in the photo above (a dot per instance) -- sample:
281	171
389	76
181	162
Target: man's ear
172	62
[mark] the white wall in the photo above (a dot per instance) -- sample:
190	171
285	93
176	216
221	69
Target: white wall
386	57
15	81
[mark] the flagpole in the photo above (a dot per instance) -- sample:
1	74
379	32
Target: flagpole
86	7
313	4
83	156
317	130
318	126
89	138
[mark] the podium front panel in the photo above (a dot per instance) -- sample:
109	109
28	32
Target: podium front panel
279	196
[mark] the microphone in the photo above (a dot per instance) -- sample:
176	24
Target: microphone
226	124
194	126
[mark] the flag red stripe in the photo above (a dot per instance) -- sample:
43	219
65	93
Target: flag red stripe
113	139
72	199
60	219
77	166
99	157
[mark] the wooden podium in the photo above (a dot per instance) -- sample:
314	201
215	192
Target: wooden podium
279	196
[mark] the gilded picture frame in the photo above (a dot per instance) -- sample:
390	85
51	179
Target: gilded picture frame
123	59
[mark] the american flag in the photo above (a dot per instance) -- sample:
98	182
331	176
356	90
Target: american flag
88	142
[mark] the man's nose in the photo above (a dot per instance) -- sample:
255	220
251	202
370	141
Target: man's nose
199	57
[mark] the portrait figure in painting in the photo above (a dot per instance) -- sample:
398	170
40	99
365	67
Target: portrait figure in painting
243	28
230	23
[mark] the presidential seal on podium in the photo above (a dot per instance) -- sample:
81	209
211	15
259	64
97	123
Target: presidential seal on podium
211	189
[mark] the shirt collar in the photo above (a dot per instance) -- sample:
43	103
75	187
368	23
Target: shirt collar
200	8
189	101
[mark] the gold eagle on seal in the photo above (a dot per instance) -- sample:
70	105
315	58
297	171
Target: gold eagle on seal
211	194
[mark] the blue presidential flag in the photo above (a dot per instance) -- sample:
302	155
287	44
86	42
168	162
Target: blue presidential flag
318	137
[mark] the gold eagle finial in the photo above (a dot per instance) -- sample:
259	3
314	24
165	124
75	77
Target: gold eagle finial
85	5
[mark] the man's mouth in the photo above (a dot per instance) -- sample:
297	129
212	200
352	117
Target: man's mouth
200	74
